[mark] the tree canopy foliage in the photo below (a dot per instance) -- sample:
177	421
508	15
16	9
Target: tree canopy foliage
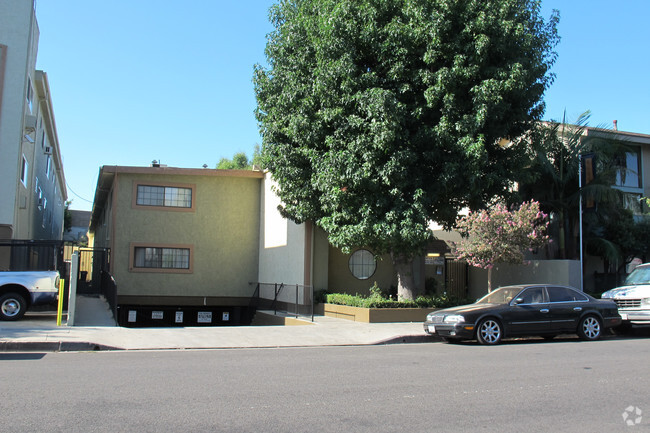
379	116
500	235
240	161
551	178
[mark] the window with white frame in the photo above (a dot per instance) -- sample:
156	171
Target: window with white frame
161	258
362	264
48	167
164	196
24	172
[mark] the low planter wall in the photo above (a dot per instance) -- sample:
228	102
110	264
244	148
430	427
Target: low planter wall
376	315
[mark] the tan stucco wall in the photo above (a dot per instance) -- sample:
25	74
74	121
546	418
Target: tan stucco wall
562	272
222	230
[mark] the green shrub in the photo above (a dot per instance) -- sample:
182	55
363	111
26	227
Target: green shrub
320	296
376	300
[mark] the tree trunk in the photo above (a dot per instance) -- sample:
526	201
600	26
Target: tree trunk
403	266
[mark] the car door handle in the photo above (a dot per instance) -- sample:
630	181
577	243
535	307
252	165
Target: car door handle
577	309
544	310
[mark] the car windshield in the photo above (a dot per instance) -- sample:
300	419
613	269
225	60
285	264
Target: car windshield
639	276
500	296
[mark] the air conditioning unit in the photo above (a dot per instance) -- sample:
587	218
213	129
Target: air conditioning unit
30	123
48	150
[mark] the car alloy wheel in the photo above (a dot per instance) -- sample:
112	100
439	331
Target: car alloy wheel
590	328
489	332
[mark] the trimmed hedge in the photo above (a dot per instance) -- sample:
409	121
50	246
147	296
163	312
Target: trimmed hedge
378	301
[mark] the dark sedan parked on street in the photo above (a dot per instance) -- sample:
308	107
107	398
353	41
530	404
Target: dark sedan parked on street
525	310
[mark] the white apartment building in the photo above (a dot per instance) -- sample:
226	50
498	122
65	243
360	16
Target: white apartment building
32	183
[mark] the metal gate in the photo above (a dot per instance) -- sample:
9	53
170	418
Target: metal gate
93	263
456	278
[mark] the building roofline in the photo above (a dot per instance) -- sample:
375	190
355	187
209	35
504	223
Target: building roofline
42	85
107	175
180	171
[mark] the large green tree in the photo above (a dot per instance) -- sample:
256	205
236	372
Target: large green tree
378	116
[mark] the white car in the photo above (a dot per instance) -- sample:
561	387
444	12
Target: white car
633	298
21	290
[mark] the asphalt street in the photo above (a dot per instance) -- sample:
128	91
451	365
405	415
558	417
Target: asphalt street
523	385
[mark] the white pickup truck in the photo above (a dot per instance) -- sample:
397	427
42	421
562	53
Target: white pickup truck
21	290
633	297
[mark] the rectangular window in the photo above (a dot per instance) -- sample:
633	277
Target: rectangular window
629	173
48	167
164	196
161	258
30	94
24	172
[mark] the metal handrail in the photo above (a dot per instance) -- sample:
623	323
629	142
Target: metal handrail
277	301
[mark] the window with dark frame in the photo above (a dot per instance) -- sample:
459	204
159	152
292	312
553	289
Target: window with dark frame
24	171
164	196
30	94
629	175
161	258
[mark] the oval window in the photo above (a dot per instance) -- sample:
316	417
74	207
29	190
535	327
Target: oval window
362	264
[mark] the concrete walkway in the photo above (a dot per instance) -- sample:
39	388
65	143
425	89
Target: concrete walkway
96	330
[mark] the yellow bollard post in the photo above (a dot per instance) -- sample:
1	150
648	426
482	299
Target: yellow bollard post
59	313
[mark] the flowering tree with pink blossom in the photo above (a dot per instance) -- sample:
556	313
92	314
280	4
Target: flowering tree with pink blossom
499	235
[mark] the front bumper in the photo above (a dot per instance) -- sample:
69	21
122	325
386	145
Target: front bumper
450	330
636	316
44	298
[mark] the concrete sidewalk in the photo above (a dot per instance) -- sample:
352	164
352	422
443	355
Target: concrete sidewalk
37	331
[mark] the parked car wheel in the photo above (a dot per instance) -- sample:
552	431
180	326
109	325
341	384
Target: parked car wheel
12	306
590	328
489	331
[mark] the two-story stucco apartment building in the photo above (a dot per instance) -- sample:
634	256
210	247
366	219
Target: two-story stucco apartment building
201	239
32	183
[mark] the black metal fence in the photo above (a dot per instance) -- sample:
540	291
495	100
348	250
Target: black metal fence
94	277
93	264
32	255
456	278
293	299
109	290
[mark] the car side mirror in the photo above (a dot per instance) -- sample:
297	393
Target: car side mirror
519	301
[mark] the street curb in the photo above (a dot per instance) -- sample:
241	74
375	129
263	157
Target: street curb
408	339
52	346
78	346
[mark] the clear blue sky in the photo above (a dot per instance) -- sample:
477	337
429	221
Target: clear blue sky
138	80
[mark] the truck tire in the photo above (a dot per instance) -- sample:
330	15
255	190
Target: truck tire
12	306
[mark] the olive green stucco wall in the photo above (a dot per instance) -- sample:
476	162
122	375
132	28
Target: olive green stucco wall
341	280
222	230
320	261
